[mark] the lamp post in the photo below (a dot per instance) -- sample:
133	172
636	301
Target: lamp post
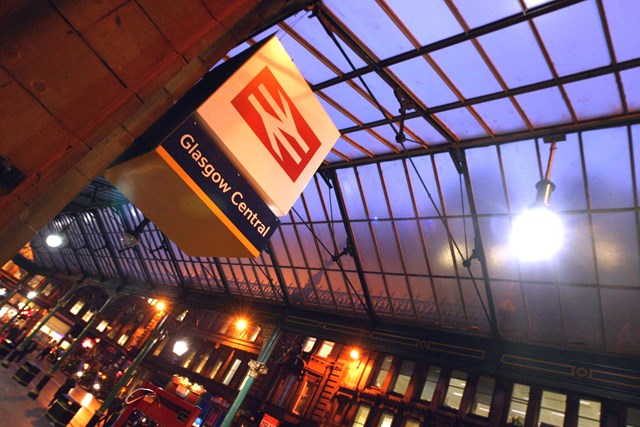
34	393
61	302
256	367
156	334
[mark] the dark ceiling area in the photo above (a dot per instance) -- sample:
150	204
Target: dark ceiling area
448	111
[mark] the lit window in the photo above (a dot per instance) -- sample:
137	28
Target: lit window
552	408
102	326
285	388
308	344
412	423
203	361
77	307
325	349
633	417
160	347
123	339
384	371
189	358
254	335
215	369
361	416
386	419
519	404
484	394
404	376
232	372
88	315
589	413
306	393
431	382
457	383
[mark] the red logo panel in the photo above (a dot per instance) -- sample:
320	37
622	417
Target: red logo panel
269	112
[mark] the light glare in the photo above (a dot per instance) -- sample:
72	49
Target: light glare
54	240
241	324
180	347
537	234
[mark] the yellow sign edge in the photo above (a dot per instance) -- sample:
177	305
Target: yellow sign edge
207	201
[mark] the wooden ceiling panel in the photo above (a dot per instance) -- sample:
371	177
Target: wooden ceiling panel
189	28
134	49
57	67
81	18
230	11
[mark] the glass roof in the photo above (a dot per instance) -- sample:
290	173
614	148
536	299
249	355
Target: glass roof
400	232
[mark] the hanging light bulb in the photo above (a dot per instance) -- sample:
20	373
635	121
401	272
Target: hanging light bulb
180	347
54	240
538	233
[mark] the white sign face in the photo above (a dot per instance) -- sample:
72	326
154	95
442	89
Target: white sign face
271	126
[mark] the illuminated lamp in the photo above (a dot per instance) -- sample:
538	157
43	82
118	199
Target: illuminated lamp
180	347
538	233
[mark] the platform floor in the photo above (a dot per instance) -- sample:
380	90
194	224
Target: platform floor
18	410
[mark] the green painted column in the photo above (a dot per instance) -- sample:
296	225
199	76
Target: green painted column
43	382
61	302
256	367
156	334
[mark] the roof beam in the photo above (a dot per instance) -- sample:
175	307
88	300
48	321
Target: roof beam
453	40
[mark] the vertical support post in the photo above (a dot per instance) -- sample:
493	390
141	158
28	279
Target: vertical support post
256	367
43	382
156	334
62	301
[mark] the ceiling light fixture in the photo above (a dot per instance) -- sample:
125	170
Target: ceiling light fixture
538	233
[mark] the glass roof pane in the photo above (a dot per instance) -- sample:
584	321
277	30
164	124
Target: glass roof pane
308	243
596	97
399	292
457	61
349	149
574	38
413	255
369	141
496	231
438	249
616	238
420	78
631	84
288	235
462	123
351	193
609	169
533	3
314	33
511	313
332	157
635	144
545	322
501	116
544	107
450	302
375	201
338	119
424	300
623	17
621	319
312	200
582	320
381	91
425	132
311	68
398	190
372	25
365	246
576	257
428	21
353	102
480	12
475	313
539	271
449	179
566	174
386	240
515	53
520	165
425	172
484	170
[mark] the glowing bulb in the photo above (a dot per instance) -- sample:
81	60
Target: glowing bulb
3	291
32	294
160	306
537	234
54	240
180	347
355	355
241	324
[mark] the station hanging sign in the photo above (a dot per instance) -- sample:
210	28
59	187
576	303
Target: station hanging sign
271	125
